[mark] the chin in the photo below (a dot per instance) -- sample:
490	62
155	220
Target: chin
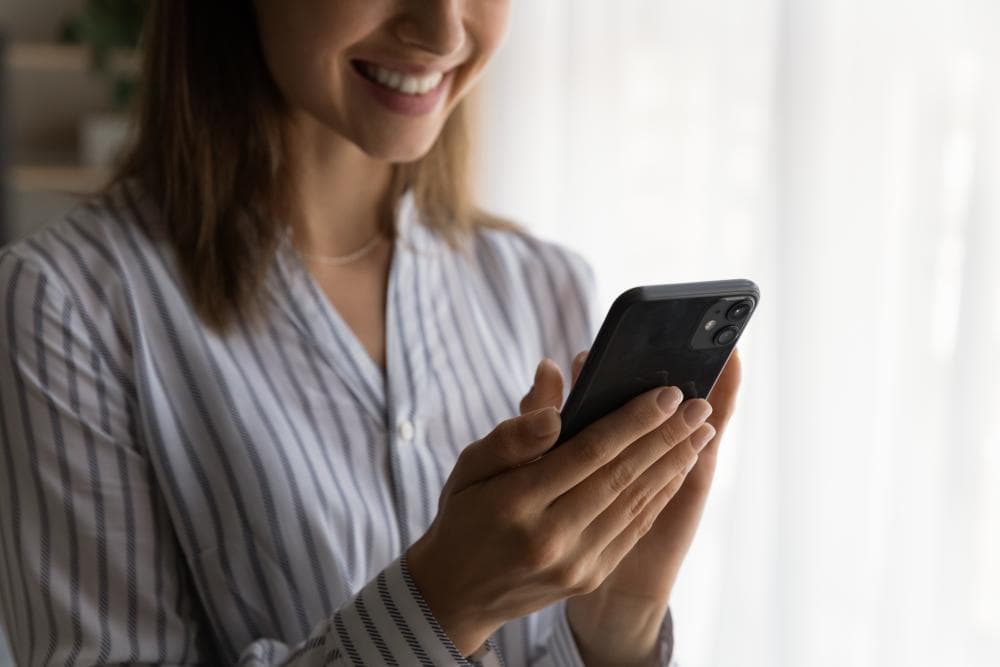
396	146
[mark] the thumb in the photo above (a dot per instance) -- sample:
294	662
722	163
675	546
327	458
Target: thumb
547	390
512	443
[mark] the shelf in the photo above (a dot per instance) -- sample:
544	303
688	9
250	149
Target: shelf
61	178
51	56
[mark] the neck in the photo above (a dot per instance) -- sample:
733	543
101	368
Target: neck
337	192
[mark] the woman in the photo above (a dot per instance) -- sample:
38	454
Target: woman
234	386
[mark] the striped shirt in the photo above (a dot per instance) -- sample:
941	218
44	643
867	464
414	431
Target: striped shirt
172	496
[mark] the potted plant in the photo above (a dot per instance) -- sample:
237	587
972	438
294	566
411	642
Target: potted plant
110	29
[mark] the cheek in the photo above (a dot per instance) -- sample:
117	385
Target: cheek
496	19
486	28
302	43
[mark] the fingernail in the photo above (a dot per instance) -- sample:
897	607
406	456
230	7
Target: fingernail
544	422
696	412
702	437
668	399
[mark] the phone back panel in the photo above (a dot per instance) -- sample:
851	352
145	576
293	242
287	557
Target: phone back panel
646	341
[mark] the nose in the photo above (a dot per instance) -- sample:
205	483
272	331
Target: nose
433	25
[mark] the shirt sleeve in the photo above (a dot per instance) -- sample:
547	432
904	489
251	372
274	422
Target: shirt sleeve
387	622
90	571
89	567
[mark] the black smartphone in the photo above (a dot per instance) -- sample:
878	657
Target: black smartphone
658	336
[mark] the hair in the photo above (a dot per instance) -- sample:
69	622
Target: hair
209	149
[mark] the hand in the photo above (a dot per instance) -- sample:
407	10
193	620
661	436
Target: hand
618	623
517	531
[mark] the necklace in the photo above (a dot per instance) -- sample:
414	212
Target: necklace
340	260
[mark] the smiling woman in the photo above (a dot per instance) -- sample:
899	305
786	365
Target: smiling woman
290	81
263	399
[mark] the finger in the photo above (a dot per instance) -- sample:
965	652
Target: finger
578	362
512	443
547	389
629	505
582	455
618	491
723	395
625	541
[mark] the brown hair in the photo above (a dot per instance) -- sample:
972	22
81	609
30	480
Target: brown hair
209	149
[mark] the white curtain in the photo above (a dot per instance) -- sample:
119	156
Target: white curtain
844	154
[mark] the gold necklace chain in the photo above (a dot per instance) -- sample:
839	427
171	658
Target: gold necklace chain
340	260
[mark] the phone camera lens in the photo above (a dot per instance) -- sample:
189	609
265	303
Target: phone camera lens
726	335
739	312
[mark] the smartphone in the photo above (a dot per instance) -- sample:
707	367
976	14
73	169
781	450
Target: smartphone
658	336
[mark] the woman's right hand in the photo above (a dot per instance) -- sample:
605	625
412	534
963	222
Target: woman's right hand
517	531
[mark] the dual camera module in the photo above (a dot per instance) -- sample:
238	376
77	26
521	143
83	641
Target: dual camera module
723	322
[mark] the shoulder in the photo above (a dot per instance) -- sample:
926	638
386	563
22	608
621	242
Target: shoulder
87	246
81	260
549	288
547	264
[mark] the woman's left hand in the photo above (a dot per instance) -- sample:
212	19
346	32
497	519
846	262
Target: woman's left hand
619	622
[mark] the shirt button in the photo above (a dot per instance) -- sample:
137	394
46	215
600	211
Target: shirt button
406	430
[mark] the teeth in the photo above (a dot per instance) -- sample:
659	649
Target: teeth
404	83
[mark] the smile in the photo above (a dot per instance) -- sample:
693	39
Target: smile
400	82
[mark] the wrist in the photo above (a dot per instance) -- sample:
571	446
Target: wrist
617	633
467	632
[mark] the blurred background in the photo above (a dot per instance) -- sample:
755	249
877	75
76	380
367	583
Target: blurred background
845	155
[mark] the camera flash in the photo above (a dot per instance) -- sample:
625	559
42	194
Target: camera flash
710	325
